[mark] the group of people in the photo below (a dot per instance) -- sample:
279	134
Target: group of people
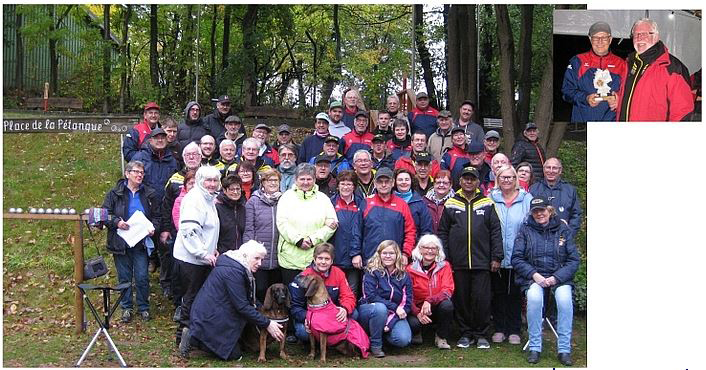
418	221
650	85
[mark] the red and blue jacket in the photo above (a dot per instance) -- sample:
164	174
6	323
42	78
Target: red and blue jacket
338	164
397	150
135	138
353	141
578	84
336	285
454	160
348	238
433	286
391	220
423	120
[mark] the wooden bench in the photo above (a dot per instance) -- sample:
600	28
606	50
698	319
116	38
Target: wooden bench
54	102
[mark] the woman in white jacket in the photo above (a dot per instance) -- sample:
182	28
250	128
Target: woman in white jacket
195	245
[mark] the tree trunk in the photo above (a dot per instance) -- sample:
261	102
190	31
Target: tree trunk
315	81
154	68
53	58
330	80
19	53
462	55
551	133
507	92
127	14
106	58
249	26
524	82
424	55
446	53
212	77
226	37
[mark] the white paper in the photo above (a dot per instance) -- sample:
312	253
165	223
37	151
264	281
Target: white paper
140	227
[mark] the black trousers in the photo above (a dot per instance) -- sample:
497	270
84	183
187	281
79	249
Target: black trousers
353	278
507	302
165	263
289	275
191	278
471	301
441	315
263	280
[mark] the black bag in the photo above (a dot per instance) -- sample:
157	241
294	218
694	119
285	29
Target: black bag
94	268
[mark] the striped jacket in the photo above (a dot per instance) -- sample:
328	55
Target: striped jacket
470	232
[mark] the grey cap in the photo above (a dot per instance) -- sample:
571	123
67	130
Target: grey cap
233	118
492	134
530	125
383	172
422	95
157	131
283	128
599	27
263	126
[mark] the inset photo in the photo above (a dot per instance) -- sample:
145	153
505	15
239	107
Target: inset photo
627	65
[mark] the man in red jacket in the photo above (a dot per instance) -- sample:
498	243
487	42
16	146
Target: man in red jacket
656	82
141	131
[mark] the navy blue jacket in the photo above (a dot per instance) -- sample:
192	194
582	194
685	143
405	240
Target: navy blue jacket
311	147
348	239
223	306
548	250
157	170
379	286
421	215
564	198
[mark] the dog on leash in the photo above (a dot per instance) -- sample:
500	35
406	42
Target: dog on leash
321	316
276	307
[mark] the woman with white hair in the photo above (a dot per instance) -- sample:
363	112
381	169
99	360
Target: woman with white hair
512	204
433	287
195	246
226	303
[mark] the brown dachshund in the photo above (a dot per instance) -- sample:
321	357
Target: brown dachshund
276	307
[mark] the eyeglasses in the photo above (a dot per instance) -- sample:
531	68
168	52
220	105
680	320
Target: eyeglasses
429	248
234	190
137	172
642	35
346	184
600	39
388	253
274	179
507	178
442	182
362	161
191	155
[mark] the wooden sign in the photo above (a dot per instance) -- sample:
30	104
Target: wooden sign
69	124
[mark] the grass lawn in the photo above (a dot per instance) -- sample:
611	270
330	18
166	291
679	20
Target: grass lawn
76	171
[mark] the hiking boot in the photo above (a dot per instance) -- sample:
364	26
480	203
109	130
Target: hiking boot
145	315
483	343
417	338
177	314
292	339
533	357
152	267
126	316
377	352
514	339
565	359
463	342
498	337
441	343
185	345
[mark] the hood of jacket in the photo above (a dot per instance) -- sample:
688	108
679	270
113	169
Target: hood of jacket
186	113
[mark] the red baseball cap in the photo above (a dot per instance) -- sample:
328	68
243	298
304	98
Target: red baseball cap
151	105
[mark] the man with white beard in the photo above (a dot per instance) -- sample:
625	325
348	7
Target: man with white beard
287	165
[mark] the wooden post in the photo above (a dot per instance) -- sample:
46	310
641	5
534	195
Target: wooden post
77	252
46	97
78	275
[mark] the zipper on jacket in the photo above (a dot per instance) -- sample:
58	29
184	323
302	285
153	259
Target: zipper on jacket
470	227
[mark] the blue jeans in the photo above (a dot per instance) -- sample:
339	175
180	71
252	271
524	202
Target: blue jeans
565	315
134	263
373	317
300	329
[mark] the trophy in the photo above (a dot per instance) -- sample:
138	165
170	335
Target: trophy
600	81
